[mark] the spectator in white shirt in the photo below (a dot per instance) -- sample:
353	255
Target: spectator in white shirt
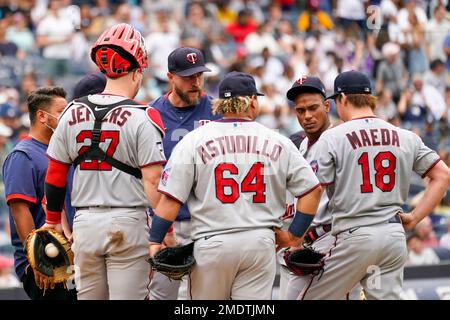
435	77
418	254
54	35
435	32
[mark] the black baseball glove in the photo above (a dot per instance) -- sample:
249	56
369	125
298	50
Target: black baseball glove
304	261
50	255
174	262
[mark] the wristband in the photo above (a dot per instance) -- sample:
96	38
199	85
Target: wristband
53	217
160	226
300	223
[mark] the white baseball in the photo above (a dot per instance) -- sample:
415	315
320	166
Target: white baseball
51	251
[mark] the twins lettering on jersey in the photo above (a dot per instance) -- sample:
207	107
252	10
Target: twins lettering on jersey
238	144
118	116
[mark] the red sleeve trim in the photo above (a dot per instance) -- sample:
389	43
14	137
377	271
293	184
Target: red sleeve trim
57	173
58	161
309	191
53	217
170	229
153	163
21	197
431	167
326	184
171	196
155	117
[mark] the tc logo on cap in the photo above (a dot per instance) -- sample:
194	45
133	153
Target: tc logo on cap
301	80
192	57
227	94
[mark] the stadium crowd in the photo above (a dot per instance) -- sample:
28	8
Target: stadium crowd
403	45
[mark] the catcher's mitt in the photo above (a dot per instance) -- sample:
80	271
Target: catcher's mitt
174	262
58	268
304	261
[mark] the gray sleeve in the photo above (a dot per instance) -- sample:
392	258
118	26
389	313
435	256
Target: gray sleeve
149	145
425	160
177	178
324	161
57	148
300	177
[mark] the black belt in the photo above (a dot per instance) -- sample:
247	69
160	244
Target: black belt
395	219
314	233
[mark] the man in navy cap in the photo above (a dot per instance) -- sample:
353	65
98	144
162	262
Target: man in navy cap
366	165
184	108
311	106
233	173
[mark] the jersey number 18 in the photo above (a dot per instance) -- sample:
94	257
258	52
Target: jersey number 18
384	164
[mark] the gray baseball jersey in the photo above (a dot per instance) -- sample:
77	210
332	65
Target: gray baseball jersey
234	175
128	135
323	215
368	162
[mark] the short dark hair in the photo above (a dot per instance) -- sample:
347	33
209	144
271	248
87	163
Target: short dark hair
41	98
436	63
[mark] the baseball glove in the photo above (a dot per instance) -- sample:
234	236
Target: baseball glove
174	262
304	261
55	265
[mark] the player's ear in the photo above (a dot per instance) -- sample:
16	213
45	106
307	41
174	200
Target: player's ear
41	116
326	104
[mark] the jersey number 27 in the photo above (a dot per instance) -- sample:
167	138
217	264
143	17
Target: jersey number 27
253	182
111	135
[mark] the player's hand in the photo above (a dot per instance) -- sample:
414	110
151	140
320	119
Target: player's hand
154	248
43	282
57	227
170	240
284	239
409	221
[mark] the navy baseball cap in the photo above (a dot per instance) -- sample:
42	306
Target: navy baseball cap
351	82
306	84
186	61
237	84
91	84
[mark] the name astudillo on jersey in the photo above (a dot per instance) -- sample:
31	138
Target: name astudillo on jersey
230	144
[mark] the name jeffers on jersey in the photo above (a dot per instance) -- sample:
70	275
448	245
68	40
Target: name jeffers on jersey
118	116
238	144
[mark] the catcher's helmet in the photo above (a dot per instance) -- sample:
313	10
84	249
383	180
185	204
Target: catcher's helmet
119	50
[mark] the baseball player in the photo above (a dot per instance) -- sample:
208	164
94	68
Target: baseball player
182	109
233	173
366	164
308	94
24	174
115	145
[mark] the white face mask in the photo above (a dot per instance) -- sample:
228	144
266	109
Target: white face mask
57	119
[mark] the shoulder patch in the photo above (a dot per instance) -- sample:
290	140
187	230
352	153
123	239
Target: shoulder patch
155	118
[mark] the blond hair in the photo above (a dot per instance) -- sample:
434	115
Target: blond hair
231	105
360	100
